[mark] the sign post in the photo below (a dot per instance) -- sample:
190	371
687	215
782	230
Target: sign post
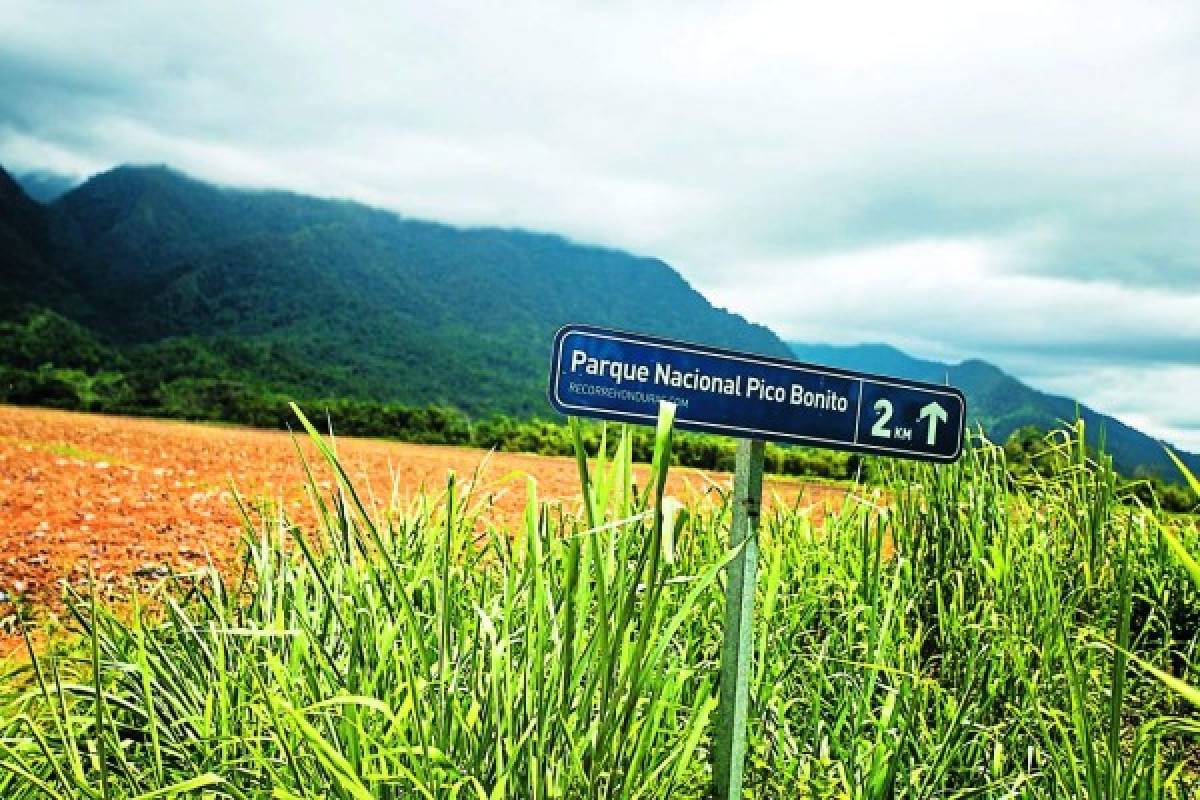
596	372
729	741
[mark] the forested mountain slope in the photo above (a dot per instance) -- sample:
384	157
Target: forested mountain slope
372	304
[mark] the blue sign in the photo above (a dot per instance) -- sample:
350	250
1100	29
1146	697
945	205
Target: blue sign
623	376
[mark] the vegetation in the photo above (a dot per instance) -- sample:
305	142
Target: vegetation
972	636
1033	455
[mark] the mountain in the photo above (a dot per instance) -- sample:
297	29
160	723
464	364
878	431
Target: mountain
1001	404
145	290
351	301
29	273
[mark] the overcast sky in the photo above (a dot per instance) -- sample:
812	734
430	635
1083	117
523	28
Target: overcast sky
1019	182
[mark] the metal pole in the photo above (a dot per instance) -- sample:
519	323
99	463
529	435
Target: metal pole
729	742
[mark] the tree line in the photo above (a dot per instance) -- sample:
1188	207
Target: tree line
47	360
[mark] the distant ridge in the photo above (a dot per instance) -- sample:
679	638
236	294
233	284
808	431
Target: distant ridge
1001	404
45	186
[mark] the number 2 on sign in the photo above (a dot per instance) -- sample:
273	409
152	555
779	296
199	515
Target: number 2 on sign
880	428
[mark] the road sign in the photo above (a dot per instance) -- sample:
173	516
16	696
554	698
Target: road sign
623	376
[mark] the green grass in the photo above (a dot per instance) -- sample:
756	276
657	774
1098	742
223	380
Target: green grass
975	637
62	449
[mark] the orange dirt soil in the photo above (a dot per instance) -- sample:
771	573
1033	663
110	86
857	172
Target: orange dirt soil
118	495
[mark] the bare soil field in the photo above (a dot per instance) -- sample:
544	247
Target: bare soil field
118	496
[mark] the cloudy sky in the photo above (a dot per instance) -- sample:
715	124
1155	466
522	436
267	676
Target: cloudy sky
1019	181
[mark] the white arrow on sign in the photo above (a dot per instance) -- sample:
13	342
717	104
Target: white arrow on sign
935	413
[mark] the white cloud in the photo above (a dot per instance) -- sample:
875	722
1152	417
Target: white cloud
958	296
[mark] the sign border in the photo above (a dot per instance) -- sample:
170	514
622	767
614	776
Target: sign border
750	358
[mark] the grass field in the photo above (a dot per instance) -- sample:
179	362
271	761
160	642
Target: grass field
954	635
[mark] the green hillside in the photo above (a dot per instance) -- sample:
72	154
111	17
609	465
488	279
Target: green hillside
29	272
1002	404
394	309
